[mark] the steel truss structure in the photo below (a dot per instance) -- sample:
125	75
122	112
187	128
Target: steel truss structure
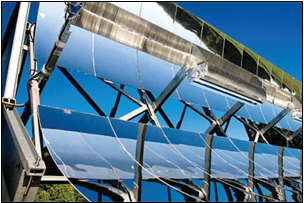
29	168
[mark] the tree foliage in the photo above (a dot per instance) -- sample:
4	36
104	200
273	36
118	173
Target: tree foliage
58	193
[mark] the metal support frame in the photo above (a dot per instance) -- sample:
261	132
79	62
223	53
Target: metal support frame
99	195
269	185
208	157
81	91
16	56
296	133
181	118
134	113
259	191
114	109
169	193
198	111
123	92
160	110
122	187
228	192
118	191
143	107
251	170
281	190
34	93
139	158
150	113
23	168
227	124
178	78
220	122
215	126
248	131
297	192
185	185
215	191
274	121
240	195
247	126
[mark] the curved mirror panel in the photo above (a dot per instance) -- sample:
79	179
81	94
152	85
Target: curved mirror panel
82	147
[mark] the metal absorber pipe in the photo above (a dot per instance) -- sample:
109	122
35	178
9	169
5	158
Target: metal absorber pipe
33	90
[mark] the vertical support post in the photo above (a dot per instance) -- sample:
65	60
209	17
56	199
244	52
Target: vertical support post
169	194
139	158
208	151
160	110
281	192
99	195
33	88
227	124
113	111
215	125
181	118
260	192
16	55
228	192
251	170
215	191
150	111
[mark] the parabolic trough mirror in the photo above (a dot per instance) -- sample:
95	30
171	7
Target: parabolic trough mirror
158	48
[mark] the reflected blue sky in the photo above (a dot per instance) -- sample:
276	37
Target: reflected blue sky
273	30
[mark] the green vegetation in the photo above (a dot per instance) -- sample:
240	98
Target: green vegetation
58	193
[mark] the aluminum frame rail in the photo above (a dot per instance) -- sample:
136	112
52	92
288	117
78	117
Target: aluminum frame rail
21	160
16	56
23	170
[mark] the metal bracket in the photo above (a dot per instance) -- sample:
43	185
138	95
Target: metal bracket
240	195
23	166
117	192
150	112
186	186
15	61
220	122
72	10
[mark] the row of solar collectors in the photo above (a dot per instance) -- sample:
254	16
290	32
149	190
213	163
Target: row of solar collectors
104	148
96	55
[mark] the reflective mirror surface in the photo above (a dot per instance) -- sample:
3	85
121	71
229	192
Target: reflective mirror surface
113	60
93	147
